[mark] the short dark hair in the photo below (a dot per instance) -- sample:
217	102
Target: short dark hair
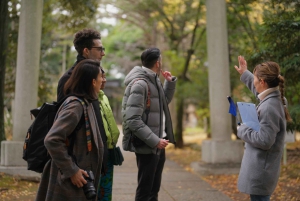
150	56
81	80
84	39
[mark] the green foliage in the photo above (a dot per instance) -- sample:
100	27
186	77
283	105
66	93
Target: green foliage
259	30
196	90
3	47
294	112
124	45
69	15
281	39
61	18
178	29
262	31
11	55
197	83
171	58
244	20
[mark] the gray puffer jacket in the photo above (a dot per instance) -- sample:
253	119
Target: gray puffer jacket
134	106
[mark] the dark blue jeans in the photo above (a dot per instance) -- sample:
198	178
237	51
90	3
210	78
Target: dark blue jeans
150	167
260	197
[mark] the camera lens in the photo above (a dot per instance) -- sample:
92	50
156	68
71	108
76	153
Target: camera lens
89	188
90	195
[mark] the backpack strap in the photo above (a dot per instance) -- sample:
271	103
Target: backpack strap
133	138
148	102
87	123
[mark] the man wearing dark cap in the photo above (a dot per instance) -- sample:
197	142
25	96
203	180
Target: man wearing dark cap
88	45
147	124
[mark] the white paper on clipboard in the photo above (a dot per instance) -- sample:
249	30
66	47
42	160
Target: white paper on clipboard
249	115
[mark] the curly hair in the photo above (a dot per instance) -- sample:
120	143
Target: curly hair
84	39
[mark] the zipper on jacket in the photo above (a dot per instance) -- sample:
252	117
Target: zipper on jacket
157	87
169	116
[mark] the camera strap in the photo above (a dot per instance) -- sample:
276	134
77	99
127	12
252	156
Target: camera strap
87	132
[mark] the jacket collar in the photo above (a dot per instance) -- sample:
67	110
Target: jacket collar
275	93
151	74
80	58
266	92
148	70
101	93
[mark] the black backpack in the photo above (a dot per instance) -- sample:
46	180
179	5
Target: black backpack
34	150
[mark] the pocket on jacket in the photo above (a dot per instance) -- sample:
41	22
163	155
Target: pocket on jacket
59	178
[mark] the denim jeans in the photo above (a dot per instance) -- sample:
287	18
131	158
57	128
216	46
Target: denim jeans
260	197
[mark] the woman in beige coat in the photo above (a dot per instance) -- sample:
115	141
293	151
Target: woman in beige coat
74	151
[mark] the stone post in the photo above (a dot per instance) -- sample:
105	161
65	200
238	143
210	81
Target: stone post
26	88
219	149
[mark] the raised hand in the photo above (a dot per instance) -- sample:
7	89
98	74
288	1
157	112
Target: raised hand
242	65
167	75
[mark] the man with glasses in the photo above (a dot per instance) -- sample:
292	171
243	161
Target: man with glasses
147	123
88	45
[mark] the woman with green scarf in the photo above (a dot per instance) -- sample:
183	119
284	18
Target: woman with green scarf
112	133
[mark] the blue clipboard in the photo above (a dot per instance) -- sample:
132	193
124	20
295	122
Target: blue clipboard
249	115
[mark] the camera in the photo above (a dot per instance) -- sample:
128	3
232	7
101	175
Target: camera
89	188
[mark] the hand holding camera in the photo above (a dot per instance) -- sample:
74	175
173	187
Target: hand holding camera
85	179
77	178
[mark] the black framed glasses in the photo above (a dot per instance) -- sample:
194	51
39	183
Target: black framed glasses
100	49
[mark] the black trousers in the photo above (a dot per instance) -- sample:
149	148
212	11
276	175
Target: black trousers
150	167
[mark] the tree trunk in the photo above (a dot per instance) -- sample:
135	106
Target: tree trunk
179	126
3	47
182	79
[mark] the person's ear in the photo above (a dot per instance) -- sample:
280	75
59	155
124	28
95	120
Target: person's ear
94	82
85	52
263	83
157	64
